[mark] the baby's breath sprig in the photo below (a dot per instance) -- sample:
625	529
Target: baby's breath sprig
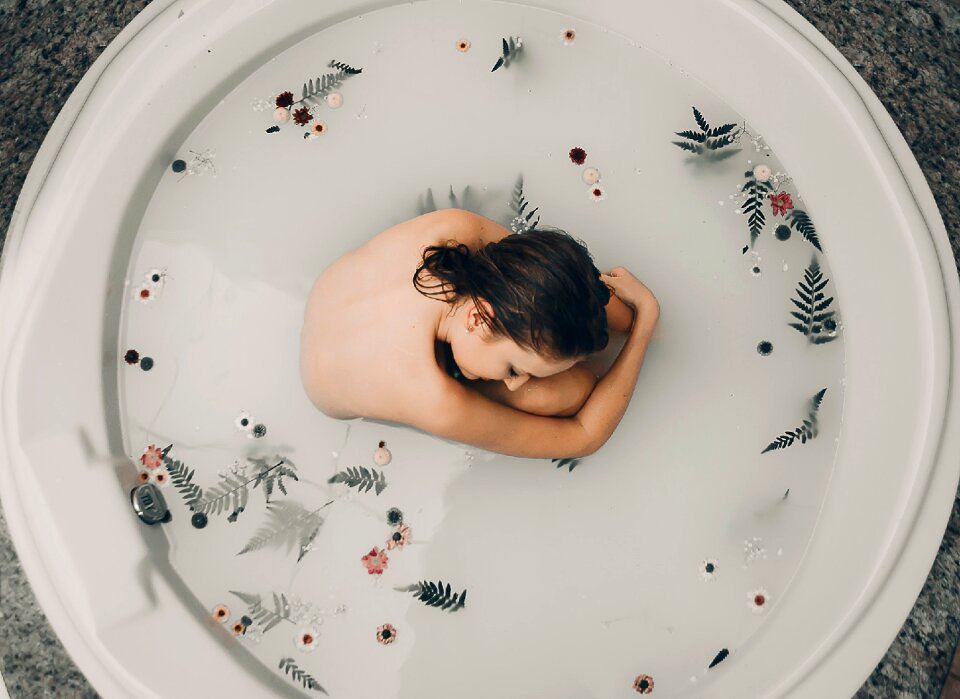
510	50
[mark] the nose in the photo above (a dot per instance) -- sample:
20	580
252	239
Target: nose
515	382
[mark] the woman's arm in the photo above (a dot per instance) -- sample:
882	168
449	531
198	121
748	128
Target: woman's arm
619	315
456	412
606	405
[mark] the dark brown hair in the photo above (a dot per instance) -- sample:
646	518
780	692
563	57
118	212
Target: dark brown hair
544	289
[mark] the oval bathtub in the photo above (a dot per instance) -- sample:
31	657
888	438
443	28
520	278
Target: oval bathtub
834	471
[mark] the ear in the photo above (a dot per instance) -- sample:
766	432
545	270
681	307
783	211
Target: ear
475	320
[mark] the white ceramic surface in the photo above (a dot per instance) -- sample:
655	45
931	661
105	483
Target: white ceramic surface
99	208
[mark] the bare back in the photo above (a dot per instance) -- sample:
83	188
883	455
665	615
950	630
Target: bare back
369	336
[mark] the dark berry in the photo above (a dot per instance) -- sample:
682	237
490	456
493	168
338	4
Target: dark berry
179	166
199	520
146	364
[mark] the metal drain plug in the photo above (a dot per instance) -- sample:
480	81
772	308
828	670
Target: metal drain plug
149	504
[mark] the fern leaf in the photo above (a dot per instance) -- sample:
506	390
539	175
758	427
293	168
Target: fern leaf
808	430
344	67
181	477
497	64
361	478
721	130
701	122
290	667
436	595
287	521
692	135
800	221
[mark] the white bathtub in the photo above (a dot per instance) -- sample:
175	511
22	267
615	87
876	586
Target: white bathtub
104	578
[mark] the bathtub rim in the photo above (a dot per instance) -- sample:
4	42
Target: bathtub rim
897	586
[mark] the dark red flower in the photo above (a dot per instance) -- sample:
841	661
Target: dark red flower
578	155
780	203
284	99
131	357
302	116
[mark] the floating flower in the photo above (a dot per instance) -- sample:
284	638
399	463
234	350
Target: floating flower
152	456
382	455
758	600
143	476
591	175
284	99
399	538
780	202
302	116
156	276
394	516
463	45
567	36
238	629
643	684
259	430
144	293
159	477
578	155
319	128
334	100
375	561
307	639
243	422
386	634
131	357
596	192
708	569
281	115
762	173
221	613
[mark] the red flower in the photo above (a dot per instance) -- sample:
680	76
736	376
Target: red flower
375	561
284	99
578	155
152	457
302	116
780	202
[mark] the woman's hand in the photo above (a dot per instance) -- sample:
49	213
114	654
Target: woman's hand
632	292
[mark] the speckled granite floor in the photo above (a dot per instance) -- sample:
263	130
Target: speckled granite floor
907	51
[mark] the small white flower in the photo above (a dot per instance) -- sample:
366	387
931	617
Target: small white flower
306	639
244	422
567	36
591	175
762	173
334	100
708	569
596	192
758	600
143	293
281	115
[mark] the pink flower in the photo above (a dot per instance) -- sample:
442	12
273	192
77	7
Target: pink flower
152	457
780	202
399	537
375	561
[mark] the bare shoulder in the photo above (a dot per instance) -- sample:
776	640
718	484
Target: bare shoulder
445	408
443	225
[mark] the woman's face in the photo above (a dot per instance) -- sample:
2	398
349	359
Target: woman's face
482	355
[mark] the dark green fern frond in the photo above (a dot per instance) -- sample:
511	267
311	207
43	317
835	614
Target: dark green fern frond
436	595
707	138
289	667
808	430
361	478
753	204
510	50
819	327
181	476
800	221
344	67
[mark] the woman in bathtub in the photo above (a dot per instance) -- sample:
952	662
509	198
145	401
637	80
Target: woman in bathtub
451	323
